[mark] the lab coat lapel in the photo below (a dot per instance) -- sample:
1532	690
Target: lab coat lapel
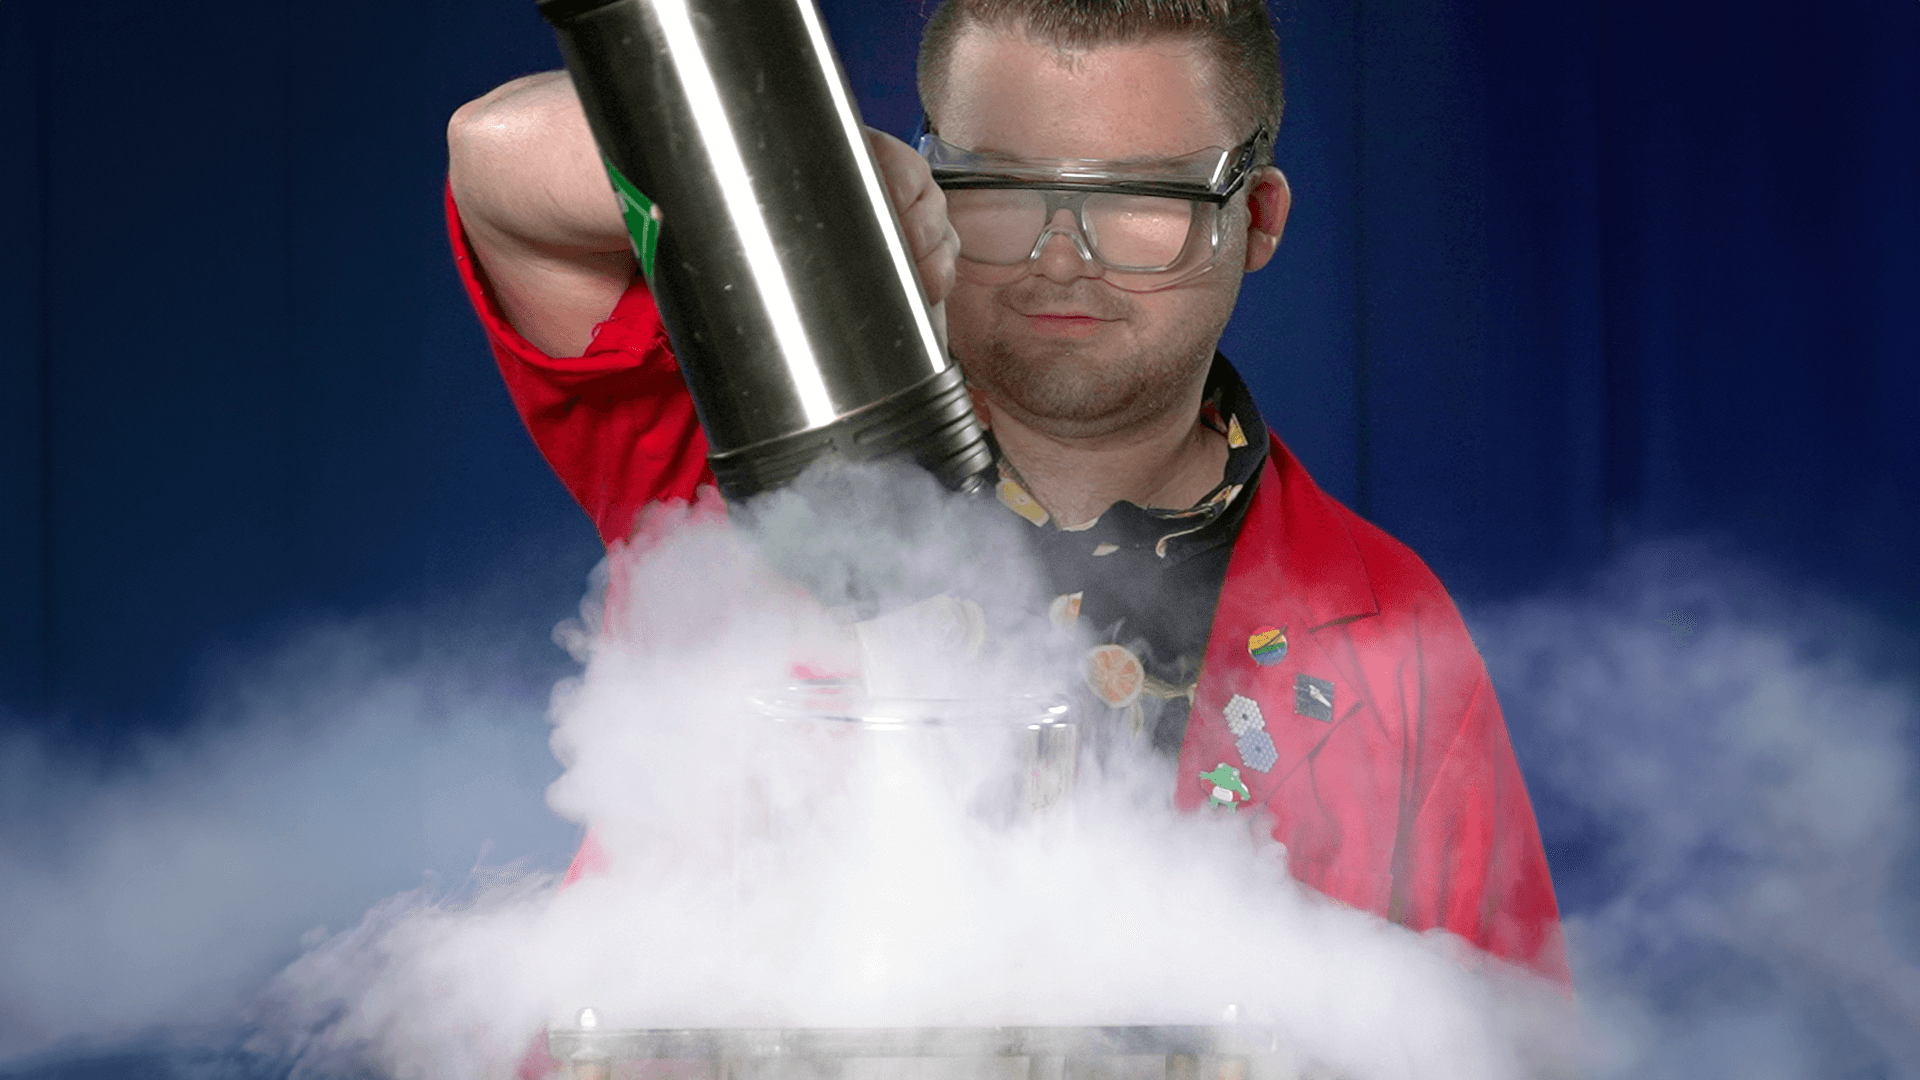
1267	701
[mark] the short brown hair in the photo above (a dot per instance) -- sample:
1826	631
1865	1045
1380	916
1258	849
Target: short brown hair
1237	34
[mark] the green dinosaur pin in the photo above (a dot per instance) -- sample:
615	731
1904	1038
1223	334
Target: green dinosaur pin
1227	788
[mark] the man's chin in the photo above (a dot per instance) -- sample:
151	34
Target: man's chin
1067	402
1068	386
1064	354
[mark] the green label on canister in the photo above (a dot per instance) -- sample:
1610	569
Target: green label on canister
642	225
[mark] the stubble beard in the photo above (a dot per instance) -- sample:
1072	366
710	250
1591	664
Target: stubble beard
1091	390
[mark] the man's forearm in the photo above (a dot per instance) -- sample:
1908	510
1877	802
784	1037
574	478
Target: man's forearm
546	226
522	162
544	223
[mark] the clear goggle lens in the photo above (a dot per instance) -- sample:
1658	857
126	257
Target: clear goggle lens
1142	241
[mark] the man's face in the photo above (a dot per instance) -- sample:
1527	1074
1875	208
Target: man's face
1059	347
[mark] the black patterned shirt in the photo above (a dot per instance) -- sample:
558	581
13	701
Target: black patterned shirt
1143	583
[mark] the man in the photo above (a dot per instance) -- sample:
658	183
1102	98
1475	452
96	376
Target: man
1288	654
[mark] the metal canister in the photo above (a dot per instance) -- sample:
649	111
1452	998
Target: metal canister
762	223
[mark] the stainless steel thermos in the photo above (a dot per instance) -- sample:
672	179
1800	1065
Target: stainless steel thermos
759	217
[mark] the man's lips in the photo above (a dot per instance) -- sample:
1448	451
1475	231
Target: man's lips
1065	322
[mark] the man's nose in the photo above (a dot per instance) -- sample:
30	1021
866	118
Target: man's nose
1064	255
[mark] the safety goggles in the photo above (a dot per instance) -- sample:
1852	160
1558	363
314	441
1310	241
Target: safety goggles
1149	225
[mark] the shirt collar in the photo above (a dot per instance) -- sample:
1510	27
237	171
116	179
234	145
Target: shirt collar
1172	534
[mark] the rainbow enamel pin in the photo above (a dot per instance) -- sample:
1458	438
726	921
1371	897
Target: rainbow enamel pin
1267	645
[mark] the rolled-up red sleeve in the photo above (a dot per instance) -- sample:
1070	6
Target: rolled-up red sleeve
616	423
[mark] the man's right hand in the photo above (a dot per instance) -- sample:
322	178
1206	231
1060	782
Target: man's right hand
546	226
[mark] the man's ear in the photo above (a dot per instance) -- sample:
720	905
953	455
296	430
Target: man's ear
1268	200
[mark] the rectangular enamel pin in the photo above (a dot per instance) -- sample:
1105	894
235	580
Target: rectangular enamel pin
1313	697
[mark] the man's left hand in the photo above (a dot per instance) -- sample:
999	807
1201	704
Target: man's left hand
922	207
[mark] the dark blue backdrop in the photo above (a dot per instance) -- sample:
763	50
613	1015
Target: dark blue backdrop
1558	275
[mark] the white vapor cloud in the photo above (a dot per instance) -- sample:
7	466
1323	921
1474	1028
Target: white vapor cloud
157	890
1724	762
1745	783
787	875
